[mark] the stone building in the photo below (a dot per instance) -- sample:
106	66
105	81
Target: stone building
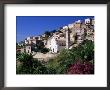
31	40
67	36
74	33
26	49
59	41
20	50
89	22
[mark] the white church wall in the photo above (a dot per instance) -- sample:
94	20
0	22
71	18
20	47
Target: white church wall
54	46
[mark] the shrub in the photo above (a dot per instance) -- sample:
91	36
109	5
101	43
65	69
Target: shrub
52	65
84	51
24	57
44	50
17	55
26	64
81	68
29	65
38	67
64	59
65	62
88	50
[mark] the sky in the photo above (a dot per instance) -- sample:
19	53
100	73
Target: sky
36	25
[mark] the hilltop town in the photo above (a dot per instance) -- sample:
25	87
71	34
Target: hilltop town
51	43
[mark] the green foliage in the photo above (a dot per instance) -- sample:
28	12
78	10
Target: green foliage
38	67
47	33
84	52
87	52
58	65
53	31
18	46
52	65
44	50
30	66
26	63
64	59
24	57
18	55
39	47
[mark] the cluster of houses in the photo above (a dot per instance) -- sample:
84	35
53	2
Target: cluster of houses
67	37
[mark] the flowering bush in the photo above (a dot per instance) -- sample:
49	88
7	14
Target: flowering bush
81	68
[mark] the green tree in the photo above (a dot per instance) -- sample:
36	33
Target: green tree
47	33
84	52
53	31
26	64
29	65
88	50
44	50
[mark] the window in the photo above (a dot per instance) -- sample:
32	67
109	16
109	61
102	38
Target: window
28	51
53	49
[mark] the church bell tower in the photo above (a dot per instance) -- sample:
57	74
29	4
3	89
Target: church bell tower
67	38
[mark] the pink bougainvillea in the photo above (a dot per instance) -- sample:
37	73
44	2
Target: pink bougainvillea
81	68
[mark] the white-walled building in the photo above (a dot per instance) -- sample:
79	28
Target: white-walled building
87	20
70	26
55	45
65	37
52	44
31	40
28	49
59	41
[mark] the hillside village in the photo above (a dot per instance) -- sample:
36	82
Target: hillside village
66	37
